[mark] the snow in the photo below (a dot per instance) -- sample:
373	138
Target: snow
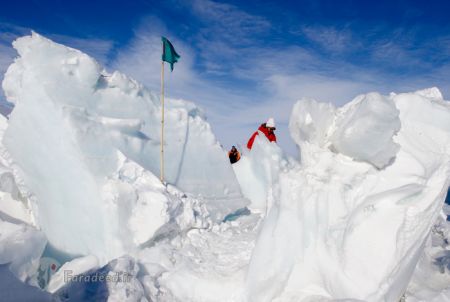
99	133
357	218
432	93
258	170
127	287
310	121
344	229
21	247
207	265
363	129
431	279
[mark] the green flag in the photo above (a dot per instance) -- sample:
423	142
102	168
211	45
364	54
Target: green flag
169	54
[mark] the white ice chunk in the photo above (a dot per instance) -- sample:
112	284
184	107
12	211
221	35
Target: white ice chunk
257	172
365	127
432	93
310	121
21	246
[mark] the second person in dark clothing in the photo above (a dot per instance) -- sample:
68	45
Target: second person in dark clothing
234	155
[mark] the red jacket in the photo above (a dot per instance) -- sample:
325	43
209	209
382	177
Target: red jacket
270	136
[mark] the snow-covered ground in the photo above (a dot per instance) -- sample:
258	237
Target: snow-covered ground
358	217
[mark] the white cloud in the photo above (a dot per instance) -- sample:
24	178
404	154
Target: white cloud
240	81
141	58
228	21
210	72
396	55
283	90
332	39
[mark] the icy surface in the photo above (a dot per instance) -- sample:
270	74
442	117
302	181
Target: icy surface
84	145
311	122
431	279
365	128
362	129
337	228
344	229
258	170
350	221
21	247
206	265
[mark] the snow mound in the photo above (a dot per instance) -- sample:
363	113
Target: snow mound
204	265
333	229
83	146
257	172
343	229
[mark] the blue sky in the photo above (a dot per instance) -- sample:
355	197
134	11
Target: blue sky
243	61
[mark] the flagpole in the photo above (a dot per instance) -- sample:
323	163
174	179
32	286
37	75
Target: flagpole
162	121
170	57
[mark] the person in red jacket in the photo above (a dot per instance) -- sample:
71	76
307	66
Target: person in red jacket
268	129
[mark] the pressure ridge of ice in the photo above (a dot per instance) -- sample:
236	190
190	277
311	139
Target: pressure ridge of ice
357	218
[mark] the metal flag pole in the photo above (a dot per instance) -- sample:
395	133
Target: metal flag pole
162	120
169	55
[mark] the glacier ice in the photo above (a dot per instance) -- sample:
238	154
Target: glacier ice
357	218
